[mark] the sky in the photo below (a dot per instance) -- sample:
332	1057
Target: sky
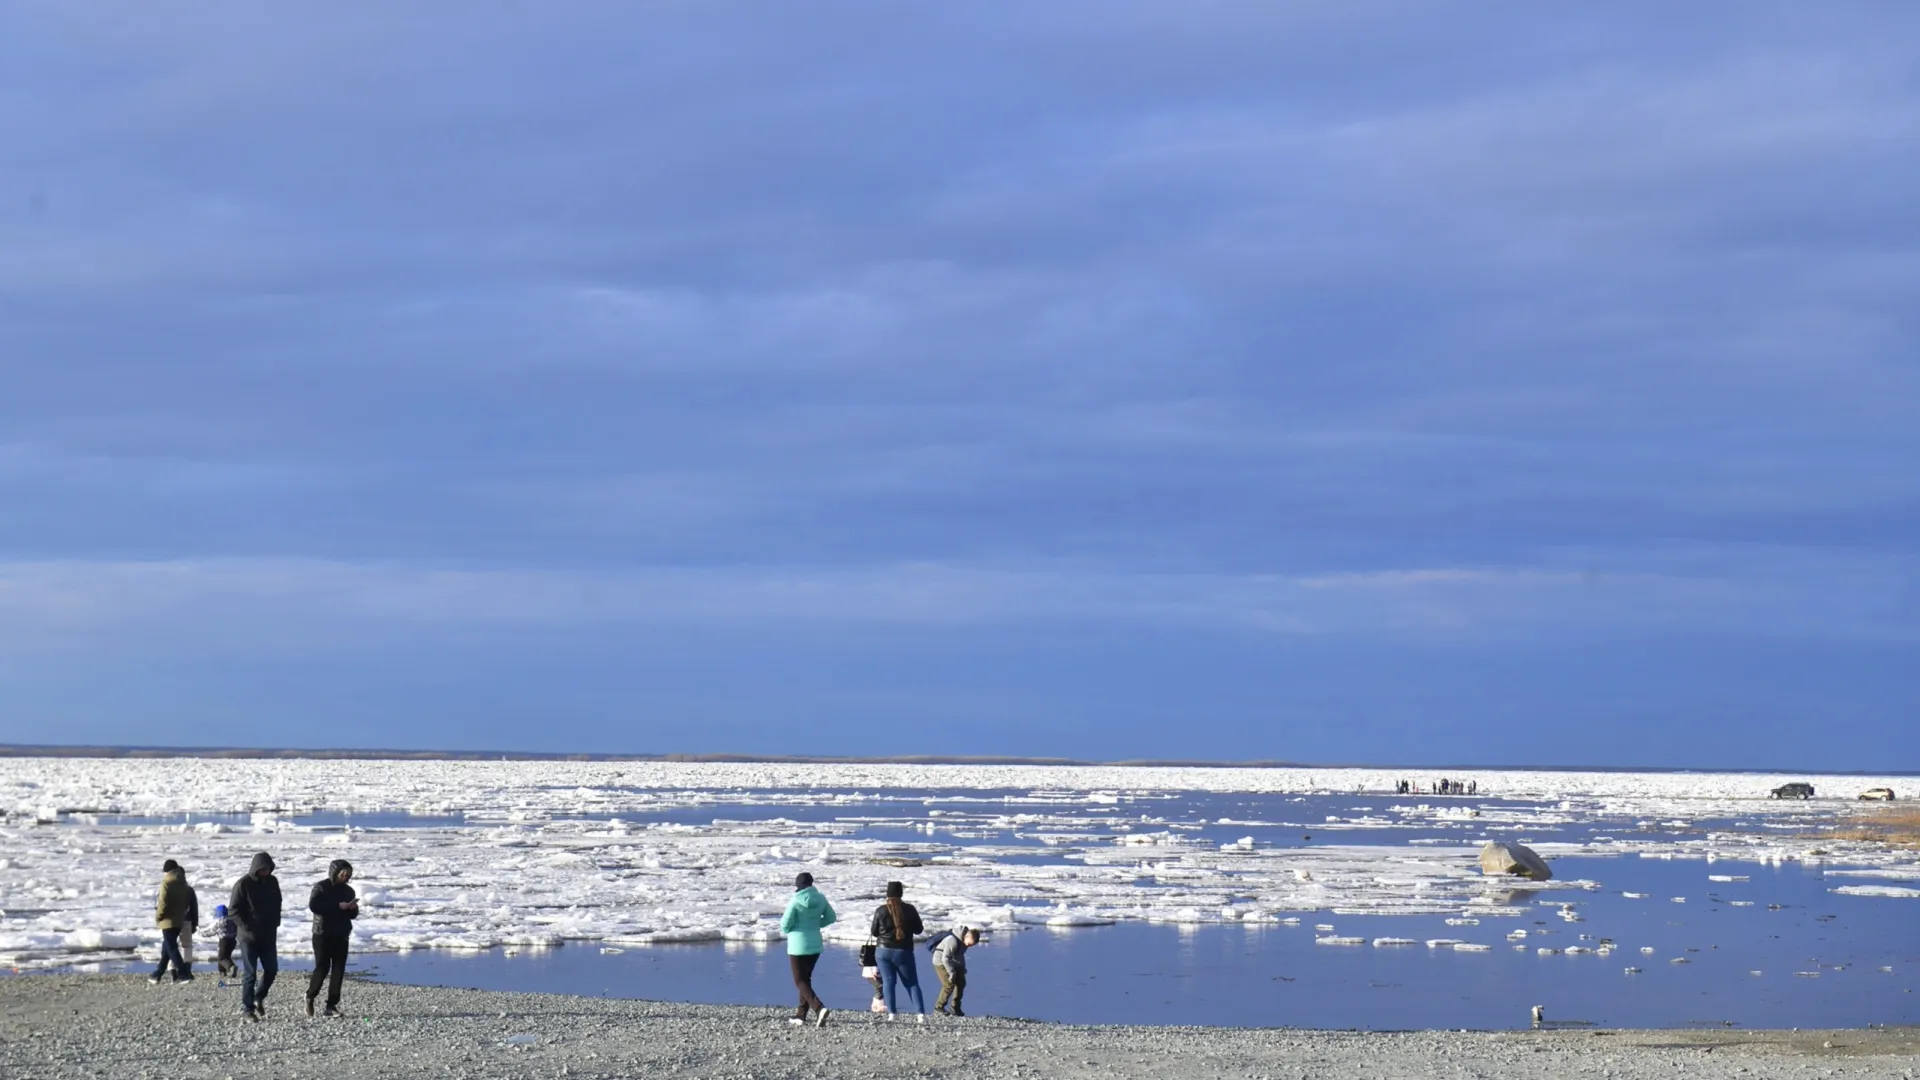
1338	382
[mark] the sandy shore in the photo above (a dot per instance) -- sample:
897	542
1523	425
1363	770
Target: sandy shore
54	1027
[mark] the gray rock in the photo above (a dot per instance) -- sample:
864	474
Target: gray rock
1517	860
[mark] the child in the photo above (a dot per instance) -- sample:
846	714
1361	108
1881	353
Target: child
228	933
950	963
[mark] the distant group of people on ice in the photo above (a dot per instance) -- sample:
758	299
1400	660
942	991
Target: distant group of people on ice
250	921
1442	786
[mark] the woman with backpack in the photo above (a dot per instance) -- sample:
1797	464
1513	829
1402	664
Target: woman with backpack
894	925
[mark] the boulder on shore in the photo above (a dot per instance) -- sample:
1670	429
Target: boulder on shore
1517	860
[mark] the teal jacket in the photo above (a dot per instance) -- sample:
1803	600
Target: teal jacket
807	914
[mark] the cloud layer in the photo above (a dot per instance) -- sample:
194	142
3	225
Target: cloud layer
1375	323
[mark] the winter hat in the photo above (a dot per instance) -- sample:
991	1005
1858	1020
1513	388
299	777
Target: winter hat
169	867
895	890
219	911
802	880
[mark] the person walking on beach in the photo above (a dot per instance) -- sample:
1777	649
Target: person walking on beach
170	915
807	914
894	925
187	931
223	959
255	910
950	964
334	906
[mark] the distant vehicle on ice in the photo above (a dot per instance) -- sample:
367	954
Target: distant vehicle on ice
1796	790
1882	794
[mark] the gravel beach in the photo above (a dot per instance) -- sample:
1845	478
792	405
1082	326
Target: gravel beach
55	1027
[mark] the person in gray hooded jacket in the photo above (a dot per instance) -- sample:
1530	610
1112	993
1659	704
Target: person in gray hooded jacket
950	963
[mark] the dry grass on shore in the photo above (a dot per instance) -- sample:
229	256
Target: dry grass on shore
1896	825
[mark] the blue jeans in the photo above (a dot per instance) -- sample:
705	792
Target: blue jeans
896	967
170	956
257	951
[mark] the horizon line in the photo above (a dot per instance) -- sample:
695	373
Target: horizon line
29	750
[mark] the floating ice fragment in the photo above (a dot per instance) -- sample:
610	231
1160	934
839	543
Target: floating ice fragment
1878	890
1383	942
1331	940
1469	946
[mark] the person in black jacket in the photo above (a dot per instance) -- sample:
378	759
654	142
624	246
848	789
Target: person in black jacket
254	908
894	925
334	907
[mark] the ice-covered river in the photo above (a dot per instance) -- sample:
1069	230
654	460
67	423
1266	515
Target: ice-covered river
528	856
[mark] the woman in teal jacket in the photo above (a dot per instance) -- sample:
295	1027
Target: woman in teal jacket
807	914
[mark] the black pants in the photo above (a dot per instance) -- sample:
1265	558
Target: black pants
224	959
803	981
329	964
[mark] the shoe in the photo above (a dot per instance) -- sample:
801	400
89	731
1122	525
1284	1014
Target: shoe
333	1013
891	1017
796	1021
957	1012
821	1020
309	1008
154	979
188	977
941	1009
251	1016
920	1018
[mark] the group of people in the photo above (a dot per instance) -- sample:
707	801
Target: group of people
886	960
250	921
1442	786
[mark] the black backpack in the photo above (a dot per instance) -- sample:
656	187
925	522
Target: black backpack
934	941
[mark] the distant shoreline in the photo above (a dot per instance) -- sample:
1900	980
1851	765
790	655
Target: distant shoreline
27	750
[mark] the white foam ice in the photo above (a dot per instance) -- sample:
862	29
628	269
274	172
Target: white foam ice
1878	890
537	854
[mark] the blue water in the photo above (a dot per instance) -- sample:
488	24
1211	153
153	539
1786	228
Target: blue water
1272	975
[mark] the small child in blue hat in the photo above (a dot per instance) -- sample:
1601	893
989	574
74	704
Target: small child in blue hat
228	933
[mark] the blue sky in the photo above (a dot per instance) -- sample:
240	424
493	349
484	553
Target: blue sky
1386	382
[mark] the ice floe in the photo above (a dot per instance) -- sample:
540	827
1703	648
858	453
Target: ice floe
534	855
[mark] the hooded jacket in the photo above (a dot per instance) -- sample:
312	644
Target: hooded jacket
254	906
951	954
807	914
328	895
170	907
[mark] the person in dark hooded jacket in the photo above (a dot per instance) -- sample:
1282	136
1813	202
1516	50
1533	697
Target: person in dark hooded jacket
254	908
334	906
